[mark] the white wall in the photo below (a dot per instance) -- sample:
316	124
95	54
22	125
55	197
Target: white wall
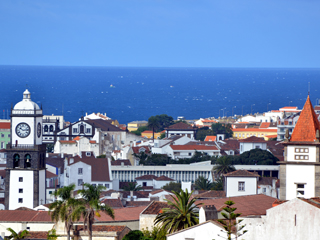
42	186
26	185
232	186
246	146
300	174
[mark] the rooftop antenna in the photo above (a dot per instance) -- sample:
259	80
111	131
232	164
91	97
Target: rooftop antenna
308	88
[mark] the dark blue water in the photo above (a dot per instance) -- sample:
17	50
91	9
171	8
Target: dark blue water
139	93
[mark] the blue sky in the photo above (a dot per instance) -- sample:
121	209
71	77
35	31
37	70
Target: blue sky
154	33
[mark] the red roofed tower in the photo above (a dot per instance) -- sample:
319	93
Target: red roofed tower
300	170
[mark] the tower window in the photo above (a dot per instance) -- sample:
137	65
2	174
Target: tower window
20	190
16	161
27	161
51	128
300	189
20	179
20	200
46	128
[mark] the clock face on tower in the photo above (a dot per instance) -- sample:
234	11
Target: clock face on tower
39	130
23	130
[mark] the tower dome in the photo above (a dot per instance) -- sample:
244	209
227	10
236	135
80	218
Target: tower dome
26	103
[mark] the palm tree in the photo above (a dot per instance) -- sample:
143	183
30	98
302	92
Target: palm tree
223	166
132	187
153	123
181	213
91	206
63	208
203	184
17	236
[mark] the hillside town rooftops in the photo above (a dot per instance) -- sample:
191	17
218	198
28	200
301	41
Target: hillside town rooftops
180	126
193	147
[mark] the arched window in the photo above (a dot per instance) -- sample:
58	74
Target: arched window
81	129
46	128
16	161
51	128
27	161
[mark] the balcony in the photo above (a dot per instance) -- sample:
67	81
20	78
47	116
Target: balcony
26	147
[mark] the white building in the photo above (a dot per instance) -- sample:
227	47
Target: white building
181	129
240	183
153	181
300	171
252	142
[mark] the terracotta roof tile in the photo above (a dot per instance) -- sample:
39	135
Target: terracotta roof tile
266	180
24	216
247	205
103	228
212	194
146	177
37	235
253	139
137	203
126	162
50	174
210	138
180	126
4	125
254	130
164	178
241	173
122	214
264	125
155	208
307	125
114	203
136	150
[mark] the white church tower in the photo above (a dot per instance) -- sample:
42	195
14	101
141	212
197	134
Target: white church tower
300	170
25	183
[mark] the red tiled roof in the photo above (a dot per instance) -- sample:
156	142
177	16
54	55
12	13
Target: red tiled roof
212	194
307	125
155	208
37	235
69	142
241	173
164	178
210	138
193	147
136	149
103	228
180	126
264	125
114	203
92	141
4	125
50	174
76	138
24	216
313	201
121	214
278	202
246	205
146	177
137	203
252	139
266	180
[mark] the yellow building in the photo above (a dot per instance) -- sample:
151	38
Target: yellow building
133	126
241	133
148	134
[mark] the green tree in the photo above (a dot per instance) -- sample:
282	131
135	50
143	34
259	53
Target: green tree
49	147
229	222
218	184
219	128
172	186
223	166
132	187
181	213
203	132
63	208
156	233
134	235
203	184
164	121
17	236
52	234
256	157
91	206
154	124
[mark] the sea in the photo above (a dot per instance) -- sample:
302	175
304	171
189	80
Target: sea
135	93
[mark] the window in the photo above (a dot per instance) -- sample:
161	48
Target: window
80	182
50	192
9	135
100	184
241	186
46	128
107	185
190	154
20	200
300	189
94	185
301	150
81	129
264	190
2	144
144	184
88	130
257	147
79	171
301	157
20	190
75	130
88	153
20	179
2	135
51	128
